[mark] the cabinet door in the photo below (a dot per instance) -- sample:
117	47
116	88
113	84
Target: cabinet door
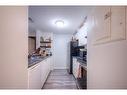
34	77
49	64
102	16
118	23
75	67
43	72
45	69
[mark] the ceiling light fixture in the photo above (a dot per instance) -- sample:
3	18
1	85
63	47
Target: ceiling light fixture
59	23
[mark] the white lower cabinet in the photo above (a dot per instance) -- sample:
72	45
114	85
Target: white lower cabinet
75	67
34	77
38	74
45	70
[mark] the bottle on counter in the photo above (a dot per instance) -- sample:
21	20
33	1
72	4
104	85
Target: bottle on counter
44	53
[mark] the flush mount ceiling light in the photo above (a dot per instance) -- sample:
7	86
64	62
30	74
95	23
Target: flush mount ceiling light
59	23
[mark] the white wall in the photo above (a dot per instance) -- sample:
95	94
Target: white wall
13	47
107	64
61	50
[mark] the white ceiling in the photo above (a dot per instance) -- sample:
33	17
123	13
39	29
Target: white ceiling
44	17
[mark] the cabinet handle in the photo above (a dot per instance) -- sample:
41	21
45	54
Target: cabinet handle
107	15
121	23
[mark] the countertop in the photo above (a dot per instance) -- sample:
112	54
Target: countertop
35	60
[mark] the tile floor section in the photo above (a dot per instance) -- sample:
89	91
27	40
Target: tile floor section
60	79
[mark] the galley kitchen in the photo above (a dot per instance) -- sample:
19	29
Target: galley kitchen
63	47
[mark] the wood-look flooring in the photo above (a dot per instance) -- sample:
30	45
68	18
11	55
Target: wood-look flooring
60	79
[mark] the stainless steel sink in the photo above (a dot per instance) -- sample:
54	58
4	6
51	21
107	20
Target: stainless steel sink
34	59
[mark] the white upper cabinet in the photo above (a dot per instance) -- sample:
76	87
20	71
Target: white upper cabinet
102	24
109	24
118	20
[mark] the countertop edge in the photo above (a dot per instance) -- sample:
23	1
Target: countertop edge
31	65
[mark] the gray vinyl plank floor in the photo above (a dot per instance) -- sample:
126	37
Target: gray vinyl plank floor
60	79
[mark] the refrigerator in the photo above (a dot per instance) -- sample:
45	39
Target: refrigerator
74	51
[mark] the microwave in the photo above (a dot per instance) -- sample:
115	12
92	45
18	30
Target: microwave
82	53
